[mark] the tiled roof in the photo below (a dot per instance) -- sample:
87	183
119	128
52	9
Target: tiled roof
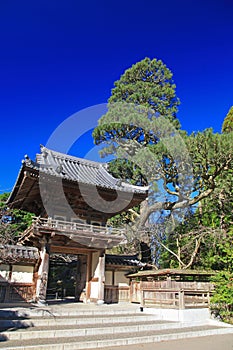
79	170
18	253
122	260
175	272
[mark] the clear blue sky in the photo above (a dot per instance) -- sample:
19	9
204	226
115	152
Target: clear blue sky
58	57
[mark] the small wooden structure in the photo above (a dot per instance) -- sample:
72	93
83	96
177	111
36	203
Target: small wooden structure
18	273
171	288
117	267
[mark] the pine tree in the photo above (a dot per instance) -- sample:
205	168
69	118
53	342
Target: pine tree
227	125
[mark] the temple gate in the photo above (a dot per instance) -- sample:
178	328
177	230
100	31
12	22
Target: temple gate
72	221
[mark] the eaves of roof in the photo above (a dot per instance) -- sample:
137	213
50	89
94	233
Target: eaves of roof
79	170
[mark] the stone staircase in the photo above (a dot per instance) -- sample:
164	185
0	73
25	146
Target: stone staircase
79	326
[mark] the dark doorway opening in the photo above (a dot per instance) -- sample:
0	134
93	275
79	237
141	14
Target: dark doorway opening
67	276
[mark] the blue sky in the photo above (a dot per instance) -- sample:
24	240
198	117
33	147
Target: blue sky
59	57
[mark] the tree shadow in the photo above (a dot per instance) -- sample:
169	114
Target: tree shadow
11	320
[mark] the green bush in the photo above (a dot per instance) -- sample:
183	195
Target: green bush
222	299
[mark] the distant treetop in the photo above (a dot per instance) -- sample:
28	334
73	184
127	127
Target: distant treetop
148	83
227	125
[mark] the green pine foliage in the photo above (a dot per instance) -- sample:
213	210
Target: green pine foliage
227	125
127	171
147	84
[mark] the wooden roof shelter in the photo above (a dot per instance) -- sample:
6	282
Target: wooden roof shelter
171	288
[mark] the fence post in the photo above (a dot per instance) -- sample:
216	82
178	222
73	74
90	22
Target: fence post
142	301
181	299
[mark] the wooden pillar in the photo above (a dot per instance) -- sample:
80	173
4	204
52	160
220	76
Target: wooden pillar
41	286
169	281
80	276
88	276
142	300
130	290
101	278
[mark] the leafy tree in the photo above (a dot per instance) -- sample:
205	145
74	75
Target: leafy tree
222	300
204	237
209	155
184	169
3	200
195	245
204	240
12	224
227	125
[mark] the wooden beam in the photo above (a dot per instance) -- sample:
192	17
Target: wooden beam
71	250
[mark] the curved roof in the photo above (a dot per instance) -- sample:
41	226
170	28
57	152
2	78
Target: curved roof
123	260
11	253
80	170
26	191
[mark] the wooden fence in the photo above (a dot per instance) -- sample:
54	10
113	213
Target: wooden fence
179	295
115	294
16	292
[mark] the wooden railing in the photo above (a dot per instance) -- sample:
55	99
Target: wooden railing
181	296
75	226
16	292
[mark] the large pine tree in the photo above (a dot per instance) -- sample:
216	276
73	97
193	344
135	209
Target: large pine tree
147	84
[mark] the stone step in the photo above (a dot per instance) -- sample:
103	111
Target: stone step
67	310
78	326
88	330
75	320
111	340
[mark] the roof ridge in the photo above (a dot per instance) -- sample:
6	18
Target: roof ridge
45	150
123	256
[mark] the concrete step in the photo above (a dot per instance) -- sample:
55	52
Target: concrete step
111	340
75	320
77	309
87	330
69	327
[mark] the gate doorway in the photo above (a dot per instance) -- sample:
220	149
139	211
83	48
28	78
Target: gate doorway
67	276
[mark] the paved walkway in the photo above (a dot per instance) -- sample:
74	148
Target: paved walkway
219	342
